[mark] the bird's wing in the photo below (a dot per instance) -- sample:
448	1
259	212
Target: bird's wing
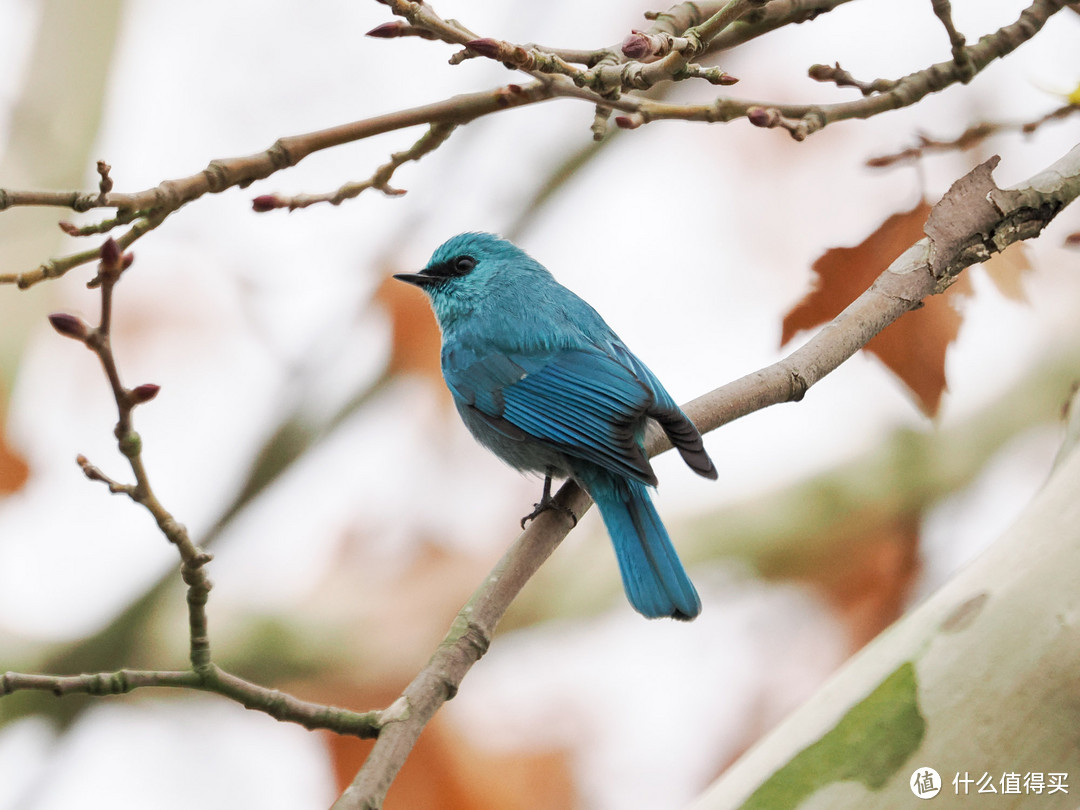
678	427
583	402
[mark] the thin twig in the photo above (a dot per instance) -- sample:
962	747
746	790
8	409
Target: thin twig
961	56
277	704
98	339
970	137
431	140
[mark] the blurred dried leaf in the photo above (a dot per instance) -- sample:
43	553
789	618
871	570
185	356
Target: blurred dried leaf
914	346
1007	269
863	561
869	588
415	340
447	772
13	467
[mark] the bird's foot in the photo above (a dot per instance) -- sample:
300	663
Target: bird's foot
546	502
543	506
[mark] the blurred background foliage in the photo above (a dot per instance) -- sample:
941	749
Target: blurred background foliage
304	435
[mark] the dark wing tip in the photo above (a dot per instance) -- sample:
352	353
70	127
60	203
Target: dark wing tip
687	441
700	463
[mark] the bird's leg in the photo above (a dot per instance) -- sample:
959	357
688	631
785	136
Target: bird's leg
548	502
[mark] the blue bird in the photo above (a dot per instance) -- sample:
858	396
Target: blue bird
541	381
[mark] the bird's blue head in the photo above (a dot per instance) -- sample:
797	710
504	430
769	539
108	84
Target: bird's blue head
473	268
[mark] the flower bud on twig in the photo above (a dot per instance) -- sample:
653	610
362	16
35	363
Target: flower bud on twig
387	30
69	325
143	393
485	47
636	45
763	117
265	202
110	253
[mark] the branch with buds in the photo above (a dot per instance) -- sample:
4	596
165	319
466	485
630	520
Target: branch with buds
203	674
609	78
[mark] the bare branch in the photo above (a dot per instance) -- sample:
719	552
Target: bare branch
602	83
842	78
99	340
428	142
803	120
277	704
156	204
970	137
961	56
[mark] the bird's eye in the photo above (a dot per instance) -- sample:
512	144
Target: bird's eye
464	265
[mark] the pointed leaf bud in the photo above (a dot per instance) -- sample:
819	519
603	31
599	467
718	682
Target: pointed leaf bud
485	47
69	325
387	30
265	202
110	253
143	393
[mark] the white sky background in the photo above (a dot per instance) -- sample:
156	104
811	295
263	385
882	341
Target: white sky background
691	240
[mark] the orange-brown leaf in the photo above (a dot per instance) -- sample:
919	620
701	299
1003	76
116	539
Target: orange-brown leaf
914	346
415	340
1007	269
446	771
13	467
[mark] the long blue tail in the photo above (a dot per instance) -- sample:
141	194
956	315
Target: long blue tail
654	578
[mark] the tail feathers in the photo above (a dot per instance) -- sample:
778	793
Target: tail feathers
653	576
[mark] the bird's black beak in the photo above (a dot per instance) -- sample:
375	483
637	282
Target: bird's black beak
418	279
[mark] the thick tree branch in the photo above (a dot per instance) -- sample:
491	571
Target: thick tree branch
927	268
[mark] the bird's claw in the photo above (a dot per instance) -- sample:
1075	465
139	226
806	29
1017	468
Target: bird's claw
545	505
548	502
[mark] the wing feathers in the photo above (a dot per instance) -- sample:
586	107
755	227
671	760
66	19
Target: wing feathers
587	403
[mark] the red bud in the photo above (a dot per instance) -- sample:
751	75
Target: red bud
70	228
387	30
144	393
265	202
626	122
69	325
110	252
636	45
485	47
762	117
